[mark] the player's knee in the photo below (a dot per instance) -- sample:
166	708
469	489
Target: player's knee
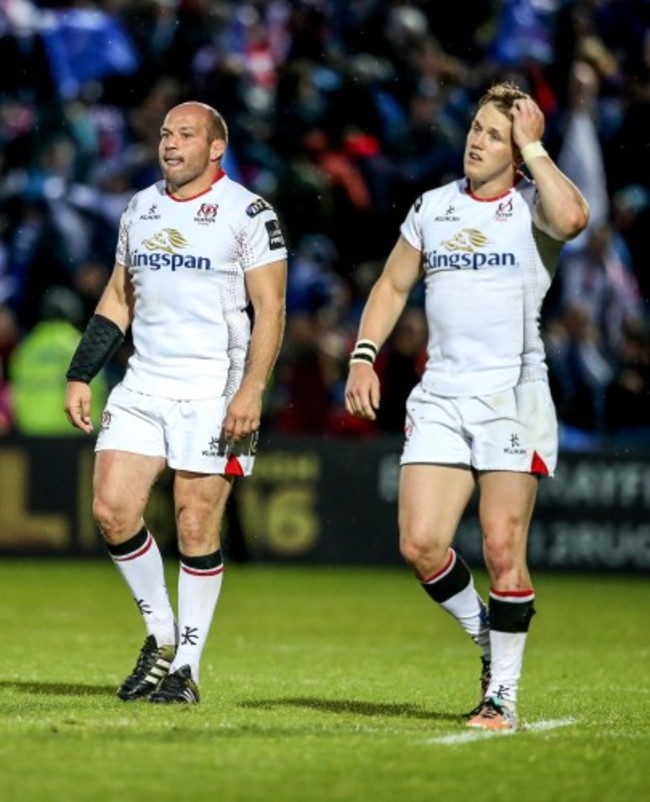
111	521
503	538
419	549
504	555
195	534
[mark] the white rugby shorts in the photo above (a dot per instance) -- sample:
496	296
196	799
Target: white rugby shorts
514	430
187	434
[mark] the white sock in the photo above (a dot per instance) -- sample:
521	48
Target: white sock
510	615
453	589
140	563
470	612
198	594
507	660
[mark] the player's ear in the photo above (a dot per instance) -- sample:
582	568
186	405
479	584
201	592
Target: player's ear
217	149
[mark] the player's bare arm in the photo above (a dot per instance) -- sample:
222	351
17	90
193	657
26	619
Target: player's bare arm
267	288
115	307
561	211
116	302
385	304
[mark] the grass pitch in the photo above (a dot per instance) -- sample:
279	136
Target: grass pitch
319	684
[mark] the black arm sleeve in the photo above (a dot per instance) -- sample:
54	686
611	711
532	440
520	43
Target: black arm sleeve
98	343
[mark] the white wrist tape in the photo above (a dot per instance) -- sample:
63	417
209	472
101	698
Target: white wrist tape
532	150
364	351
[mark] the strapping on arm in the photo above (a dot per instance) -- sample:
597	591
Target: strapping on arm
99	342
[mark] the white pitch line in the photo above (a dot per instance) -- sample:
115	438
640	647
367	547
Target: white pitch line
480	735
551	724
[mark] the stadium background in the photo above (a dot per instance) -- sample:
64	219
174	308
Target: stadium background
341	113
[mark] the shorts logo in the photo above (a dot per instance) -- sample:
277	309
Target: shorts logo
216	448
276	240
222	447
515	446
106	420
257	206
206	214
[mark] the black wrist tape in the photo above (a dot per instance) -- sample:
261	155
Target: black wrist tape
98	343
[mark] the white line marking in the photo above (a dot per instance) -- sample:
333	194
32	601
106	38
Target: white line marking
551	724
480	735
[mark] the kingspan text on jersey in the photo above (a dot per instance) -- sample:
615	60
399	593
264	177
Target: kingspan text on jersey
158	260
434	260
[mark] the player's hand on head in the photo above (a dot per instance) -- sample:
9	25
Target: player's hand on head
527	122
78	397
362	393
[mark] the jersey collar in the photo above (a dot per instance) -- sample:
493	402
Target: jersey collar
518	177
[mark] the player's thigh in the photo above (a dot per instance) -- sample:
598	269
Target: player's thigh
432	499
506	504
122	483
200	502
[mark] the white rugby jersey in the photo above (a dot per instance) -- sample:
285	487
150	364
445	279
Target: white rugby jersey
187	260
487	270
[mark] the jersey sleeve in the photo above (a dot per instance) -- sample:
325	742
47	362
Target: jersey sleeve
411	228
262	241
122	247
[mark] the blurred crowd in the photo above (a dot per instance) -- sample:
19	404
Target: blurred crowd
341	113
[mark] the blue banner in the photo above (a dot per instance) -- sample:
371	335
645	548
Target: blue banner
85	45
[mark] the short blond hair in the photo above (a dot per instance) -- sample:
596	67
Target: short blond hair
503	96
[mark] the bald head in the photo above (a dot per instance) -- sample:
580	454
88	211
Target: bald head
215	124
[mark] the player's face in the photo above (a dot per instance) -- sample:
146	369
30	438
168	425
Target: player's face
189	161
489	154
